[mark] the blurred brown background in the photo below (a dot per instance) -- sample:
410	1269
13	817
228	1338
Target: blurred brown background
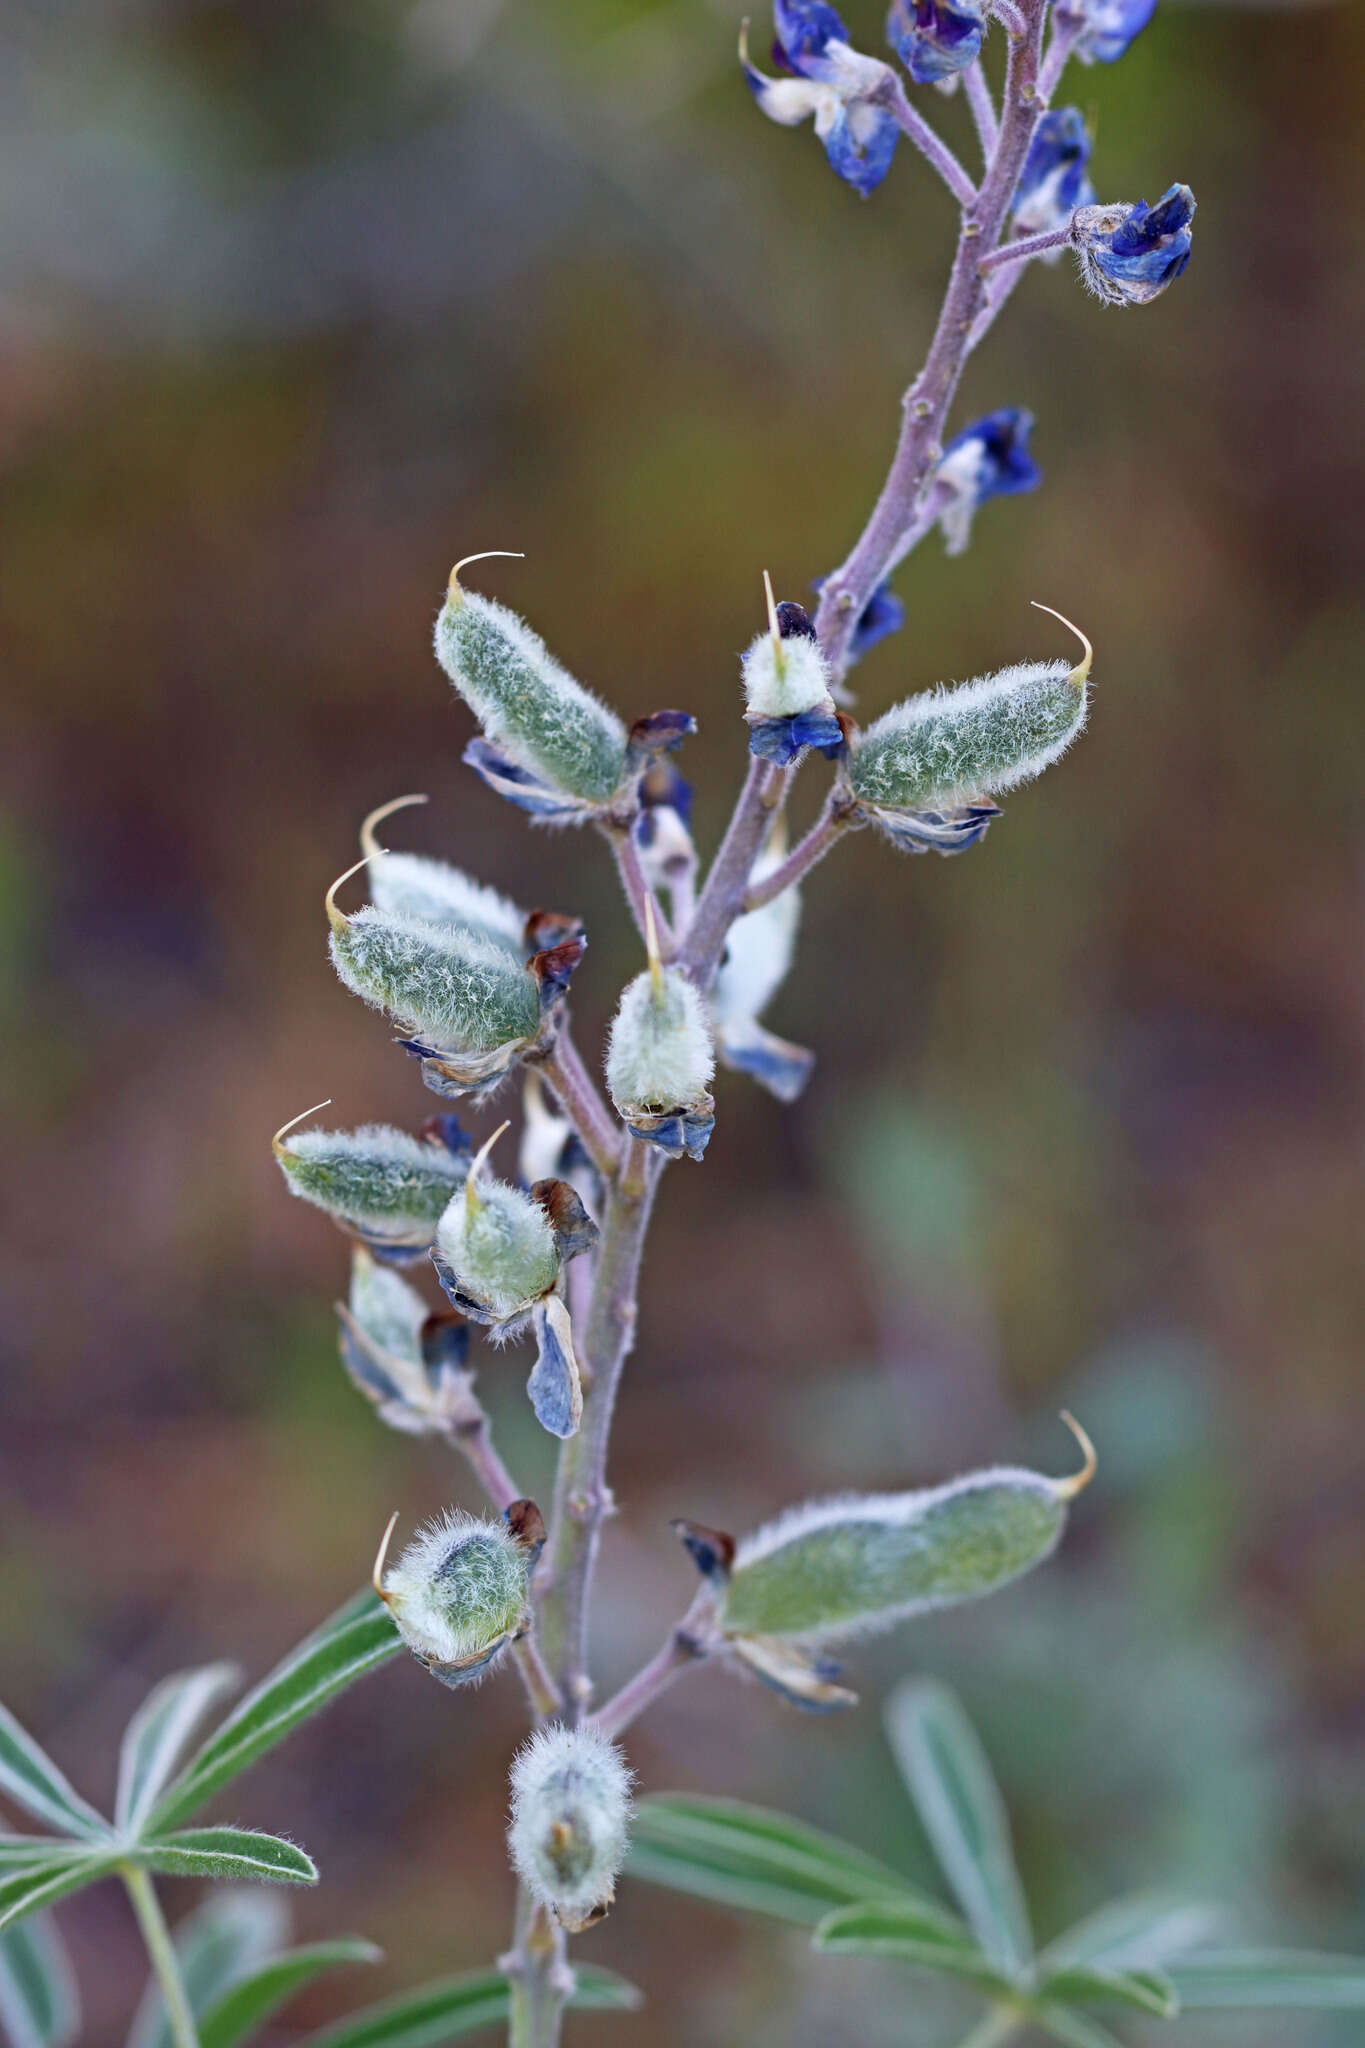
299	302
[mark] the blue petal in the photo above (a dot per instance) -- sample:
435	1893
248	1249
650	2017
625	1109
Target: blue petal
554	1386
945	832
1115	26
782	739
1061	143
803	27
678	1131
861	144
935	39
1004	464
783	1069
520	785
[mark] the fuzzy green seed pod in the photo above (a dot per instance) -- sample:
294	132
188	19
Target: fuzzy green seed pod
570	1821
977	739
783	676
444	983
498	1249
660	1059
528	705
458	1592
411	885
856	1565
377	1182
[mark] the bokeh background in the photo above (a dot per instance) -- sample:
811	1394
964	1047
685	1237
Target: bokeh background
299	302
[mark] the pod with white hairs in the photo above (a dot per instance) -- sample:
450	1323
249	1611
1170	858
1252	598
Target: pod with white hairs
660	1058
570	1824
548	743
377	1183
925	772
831	1570
458	1592
409	1363
466	1006
787	701
499	1255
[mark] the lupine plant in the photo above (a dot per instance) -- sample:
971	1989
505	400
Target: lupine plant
545	1244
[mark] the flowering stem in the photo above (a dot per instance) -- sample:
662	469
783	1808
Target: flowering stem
1066	33
161	1953
891	95
978	92
582	1103
688	1642
847	591
1021	250
1009	17
835	819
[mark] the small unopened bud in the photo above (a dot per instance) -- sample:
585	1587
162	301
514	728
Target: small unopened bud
943	749
530	708
935	39
458	1592
856	1565
377	1183
570	1821
1128	255
786	686
659	1060
411	885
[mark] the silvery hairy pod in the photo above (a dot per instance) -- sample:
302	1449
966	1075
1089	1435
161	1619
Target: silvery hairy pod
788	706
466	1006
408	1362
411	885
499	1255
457	1594
925	771
758	954
378	1183
831	83
570	1821
659	1058
1128	255
831	1570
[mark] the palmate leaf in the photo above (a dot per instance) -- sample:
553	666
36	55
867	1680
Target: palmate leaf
1088	1984
66	1870
1146	1930
355	1640
30	1778
964	1817
761	1861
885	1927
441	2012
254	1998
156	1736
39	2003
221	1942
1287	1979
226	1852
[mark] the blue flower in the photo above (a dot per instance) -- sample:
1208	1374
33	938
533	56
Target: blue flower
831	81
989	459
935	39
1129	254
1110	26
883	614
1054	181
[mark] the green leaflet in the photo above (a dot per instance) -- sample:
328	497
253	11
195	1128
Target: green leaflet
525	701
357	1639
226	1939
844	1567
885	1927
227	1852
157	1734
461	2005
39	2002
1086	1984
1263	1979
252	1999
29	1777
42	1884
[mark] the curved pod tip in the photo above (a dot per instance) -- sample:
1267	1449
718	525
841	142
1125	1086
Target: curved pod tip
338	919
369	844
472	1201
1067	1489
381	1555
454	594
276	1147
1080	674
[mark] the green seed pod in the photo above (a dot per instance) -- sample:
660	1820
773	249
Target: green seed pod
936	751
410	885
659	1057
458	1592
856	1565
497	1253
378	1183
570	1821
529	707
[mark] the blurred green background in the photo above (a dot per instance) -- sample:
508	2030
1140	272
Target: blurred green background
297	304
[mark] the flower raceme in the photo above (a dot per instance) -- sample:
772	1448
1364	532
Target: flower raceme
834	84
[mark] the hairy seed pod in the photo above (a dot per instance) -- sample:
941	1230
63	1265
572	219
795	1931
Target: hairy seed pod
855	1565
411	885
659	1059
937	751
528	705
498	1247
377	1182
442	982
787	699
458	1592
570	1821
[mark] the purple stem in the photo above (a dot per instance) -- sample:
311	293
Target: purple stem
581	1102
835	819
891	95
1025	247
978	92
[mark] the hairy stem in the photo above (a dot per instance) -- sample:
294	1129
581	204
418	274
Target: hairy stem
638	892
722	898
978	93
582	1103
689	1642
1023	248
912	124
835	819
925	406
161	1953
538	1977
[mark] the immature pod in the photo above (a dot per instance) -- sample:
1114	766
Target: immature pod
929	762
408	1362
758	954
786	687
499	1254
466	1005
549	744
411	885
570	1823
378	1183
659	1058
458	1592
